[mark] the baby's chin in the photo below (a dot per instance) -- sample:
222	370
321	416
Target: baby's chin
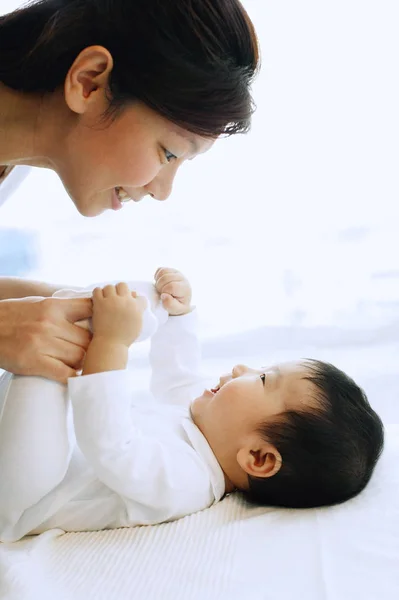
195	408
199	404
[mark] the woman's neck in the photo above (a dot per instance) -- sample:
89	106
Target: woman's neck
21	132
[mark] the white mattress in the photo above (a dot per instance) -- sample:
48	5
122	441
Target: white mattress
234	551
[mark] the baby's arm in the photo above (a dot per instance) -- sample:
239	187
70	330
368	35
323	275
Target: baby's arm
150	475
175	361
117	322
175	350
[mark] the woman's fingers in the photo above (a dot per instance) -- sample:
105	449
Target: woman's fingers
70	354
51	368
73	309
33	331
74	334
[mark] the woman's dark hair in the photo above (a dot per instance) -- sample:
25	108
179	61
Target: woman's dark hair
329	453
192	61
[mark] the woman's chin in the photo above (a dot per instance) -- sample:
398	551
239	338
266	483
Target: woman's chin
89	209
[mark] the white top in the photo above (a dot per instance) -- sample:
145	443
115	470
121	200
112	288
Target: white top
134	462
12	182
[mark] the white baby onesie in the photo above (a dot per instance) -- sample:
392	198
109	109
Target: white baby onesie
131	461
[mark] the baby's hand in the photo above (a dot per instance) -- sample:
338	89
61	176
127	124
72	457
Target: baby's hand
175	291
117	314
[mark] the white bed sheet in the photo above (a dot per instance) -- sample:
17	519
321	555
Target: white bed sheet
231	550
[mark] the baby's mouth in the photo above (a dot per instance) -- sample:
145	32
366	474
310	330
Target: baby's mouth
215	390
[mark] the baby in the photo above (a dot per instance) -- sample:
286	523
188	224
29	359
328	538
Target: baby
96	456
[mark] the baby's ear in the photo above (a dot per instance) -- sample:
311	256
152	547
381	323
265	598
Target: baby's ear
260	459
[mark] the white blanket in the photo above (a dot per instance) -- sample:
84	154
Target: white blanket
233	551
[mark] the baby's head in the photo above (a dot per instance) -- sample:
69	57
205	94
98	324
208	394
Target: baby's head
298	435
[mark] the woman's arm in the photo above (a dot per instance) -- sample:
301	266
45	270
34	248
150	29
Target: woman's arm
15	287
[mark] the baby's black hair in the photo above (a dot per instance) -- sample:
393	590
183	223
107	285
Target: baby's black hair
329	452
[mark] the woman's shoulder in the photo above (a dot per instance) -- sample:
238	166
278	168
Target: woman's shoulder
10	179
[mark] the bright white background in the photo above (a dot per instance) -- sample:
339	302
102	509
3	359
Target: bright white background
291	232
295	224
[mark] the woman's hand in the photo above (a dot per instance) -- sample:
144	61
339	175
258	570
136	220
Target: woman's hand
175	291
117	314
38	336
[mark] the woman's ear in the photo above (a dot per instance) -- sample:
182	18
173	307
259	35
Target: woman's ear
88	78
260	459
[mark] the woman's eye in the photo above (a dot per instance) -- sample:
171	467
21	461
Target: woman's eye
169	156
263	378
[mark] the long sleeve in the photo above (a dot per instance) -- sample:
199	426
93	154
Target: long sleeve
175	361
158	479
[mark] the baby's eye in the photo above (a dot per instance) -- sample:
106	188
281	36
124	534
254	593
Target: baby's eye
169	156
263	378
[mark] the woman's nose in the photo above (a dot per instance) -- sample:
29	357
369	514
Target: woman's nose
161	186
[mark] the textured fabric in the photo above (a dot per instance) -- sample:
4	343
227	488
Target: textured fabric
231	551
228	552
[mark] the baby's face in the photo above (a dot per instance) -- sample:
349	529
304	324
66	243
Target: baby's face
246	398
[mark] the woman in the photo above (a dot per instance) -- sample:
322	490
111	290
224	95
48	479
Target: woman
113	95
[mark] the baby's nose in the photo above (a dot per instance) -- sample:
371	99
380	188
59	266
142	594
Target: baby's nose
224	379
239	370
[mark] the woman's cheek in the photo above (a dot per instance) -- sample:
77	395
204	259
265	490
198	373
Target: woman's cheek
140	171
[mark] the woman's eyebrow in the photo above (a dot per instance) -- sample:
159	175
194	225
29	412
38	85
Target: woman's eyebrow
187	137
194	146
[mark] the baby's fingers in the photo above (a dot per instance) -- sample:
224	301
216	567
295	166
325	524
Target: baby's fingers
168	278
169	302
164	271
122	289
109	291
175	288
97	294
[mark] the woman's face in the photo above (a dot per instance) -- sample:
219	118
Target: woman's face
102	161
135	155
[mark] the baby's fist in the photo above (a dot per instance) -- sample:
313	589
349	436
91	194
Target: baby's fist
175	291
117	314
